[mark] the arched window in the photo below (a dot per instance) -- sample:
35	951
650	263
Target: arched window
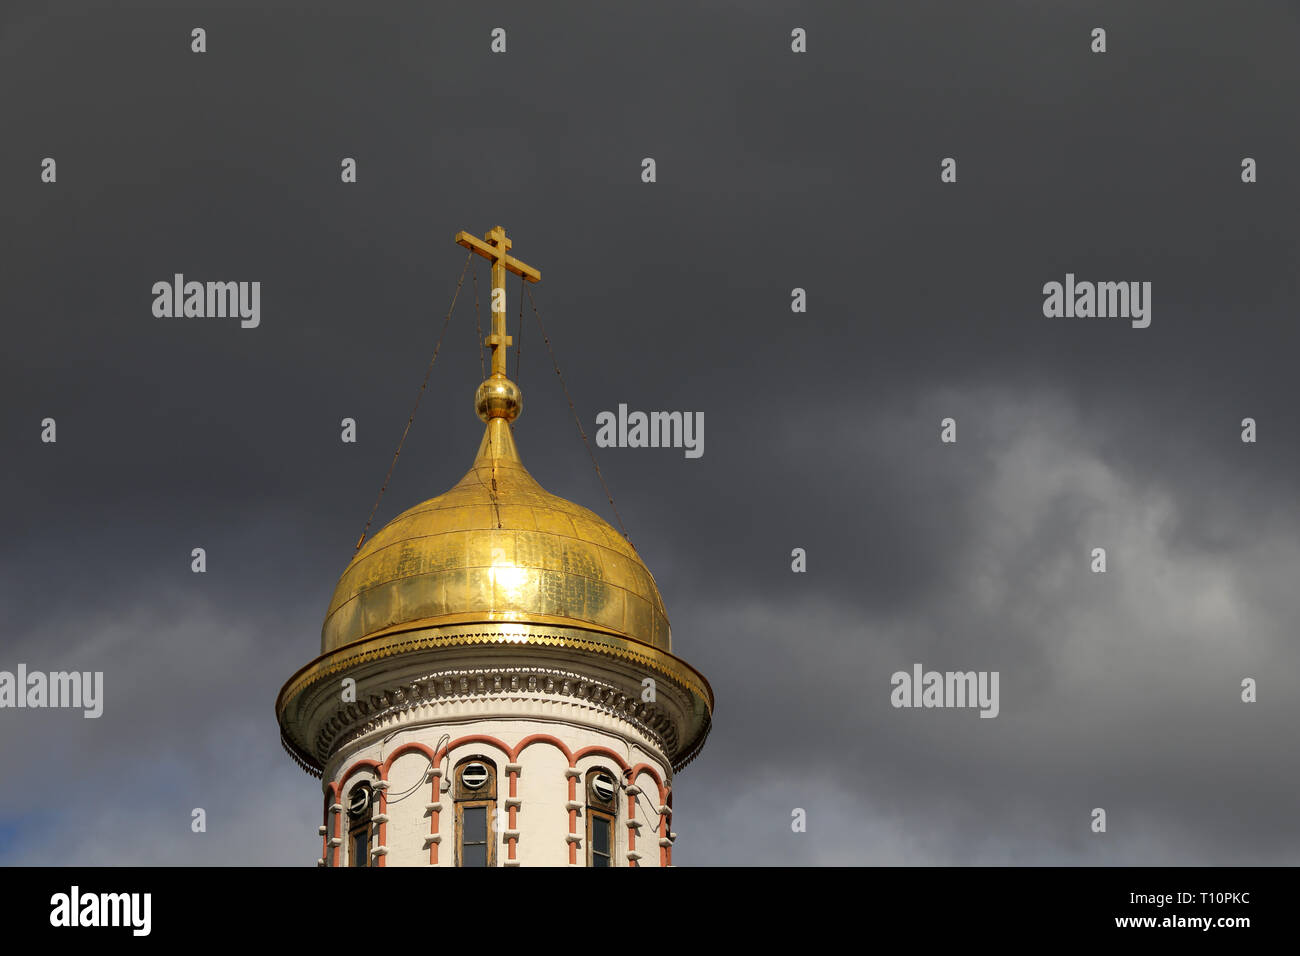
476	802
602	813
360	810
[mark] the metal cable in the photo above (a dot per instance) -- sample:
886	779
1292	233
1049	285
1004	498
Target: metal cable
421	781
576	419
519	346
478	326
415	407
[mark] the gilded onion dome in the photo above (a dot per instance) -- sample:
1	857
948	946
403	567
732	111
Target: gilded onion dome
496	547
496	571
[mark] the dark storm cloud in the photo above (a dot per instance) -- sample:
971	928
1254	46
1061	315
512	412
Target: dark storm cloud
1118	692
775	171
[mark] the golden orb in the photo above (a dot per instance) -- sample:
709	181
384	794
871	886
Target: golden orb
498	397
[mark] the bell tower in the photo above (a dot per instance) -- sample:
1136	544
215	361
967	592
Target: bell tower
496	684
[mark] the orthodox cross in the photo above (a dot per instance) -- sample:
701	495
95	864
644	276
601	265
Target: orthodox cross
496	249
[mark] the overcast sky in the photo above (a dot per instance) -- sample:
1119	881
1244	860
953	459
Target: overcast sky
775	170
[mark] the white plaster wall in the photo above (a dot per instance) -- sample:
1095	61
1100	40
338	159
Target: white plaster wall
408	821
647	841
542	819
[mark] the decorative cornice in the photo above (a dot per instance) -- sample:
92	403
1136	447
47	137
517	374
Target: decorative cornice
683	743
380	706
412	637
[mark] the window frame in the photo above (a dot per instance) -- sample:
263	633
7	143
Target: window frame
603	810
359	825
466	798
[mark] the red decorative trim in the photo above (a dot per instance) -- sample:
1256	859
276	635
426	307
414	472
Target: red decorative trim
573	818
383	810
357	767
473	739
665	852
631	815
646	768
510	850
541	739
412	747
325	830
437	759
512	755
331	797
602	751
416	747
380	771
665	798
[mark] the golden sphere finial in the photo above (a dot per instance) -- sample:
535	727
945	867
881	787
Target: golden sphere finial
498	397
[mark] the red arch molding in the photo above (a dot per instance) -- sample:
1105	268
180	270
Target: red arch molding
512	756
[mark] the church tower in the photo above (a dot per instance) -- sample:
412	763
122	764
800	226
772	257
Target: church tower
496	684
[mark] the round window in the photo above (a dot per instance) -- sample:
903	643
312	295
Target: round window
474	775
603	787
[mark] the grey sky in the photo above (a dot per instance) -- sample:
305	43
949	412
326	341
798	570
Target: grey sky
822	430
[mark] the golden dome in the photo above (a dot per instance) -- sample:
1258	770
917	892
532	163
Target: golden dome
496	547
502	586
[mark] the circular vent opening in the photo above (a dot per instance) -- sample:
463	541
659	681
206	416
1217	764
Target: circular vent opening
603	787
474	775
359	802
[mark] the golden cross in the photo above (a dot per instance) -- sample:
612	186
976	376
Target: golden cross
496	250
